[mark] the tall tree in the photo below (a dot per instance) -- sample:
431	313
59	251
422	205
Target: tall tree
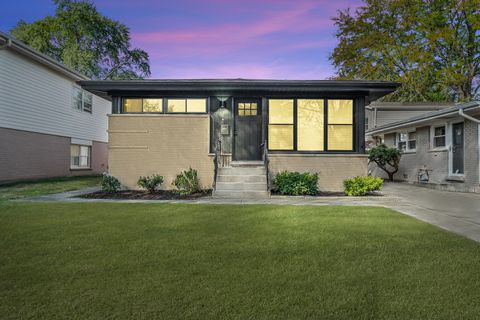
82	38
431	46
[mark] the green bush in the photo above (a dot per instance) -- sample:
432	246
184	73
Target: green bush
110	184
187	182
150	183
360	186
295	183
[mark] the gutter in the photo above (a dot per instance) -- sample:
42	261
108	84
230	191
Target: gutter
466	116
8	43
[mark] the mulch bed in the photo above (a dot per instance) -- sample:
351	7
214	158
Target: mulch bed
144	195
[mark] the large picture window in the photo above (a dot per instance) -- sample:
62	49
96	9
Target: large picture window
280	124
340	125
310	125
137	105
187	105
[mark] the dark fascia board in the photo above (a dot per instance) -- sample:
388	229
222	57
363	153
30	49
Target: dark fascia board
16	45
374	89
425	118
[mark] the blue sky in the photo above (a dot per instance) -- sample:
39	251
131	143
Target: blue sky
269	39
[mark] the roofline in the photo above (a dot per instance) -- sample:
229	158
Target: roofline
375	89
407	106
36	55
423	118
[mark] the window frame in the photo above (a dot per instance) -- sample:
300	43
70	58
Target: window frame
141	98
325	99
433	136
82	101
407	141
165	106
293	125
89	157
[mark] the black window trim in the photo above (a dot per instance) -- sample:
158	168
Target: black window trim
354	124
164	104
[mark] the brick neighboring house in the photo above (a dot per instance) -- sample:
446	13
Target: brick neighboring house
49	126
440	148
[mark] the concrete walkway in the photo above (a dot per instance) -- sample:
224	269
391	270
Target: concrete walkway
456	212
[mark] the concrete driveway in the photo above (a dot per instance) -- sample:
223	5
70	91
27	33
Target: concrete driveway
453	211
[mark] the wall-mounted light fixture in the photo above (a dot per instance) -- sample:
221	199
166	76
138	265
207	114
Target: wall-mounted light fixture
223	99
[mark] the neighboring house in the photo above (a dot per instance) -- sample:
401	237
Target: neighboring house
441	148
166	126
378	114
49	125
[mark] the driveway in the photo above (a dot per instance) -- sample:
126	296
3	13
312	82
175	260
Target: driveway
453	211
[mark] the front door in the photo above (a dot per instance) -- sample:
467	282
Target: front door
248	129
457	148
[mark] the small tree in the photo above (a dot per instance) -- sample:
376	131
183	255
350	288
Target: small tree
387	159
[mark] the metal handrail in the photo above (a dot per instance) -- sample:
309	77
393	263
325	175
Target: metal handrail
216	159
266	160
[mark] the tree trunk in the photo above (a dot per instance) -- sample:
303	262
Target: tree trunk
390	176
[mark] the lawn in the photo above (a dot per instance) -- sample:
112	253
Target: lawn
45	186
172	261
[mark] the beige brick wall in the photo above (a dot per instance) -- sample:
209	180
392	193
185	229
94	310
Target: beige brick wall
161	144
332	169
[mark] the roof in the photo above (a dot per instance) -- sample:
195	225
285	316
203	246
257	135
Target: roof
472	108
373	89
409	106
20	47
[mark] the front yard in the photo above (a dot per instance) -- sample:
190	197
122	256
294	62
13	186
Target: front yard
167	261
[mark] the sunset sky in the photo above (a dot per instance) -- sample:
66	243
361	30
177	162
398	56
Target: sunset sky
272	39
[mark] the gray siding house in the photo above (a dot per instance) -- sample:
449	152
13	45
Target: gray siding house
49	125
440	148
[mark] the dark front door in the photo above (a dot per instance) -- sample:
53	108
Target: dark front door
248	129
457	148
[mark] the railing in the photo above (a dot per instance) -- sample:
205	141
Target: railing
266	160
220	160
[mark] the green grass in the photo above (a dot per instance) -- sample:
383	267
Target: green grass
46	186
167	261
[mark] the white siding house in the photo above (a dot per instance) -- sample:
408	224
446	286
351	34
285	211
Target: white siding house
44	130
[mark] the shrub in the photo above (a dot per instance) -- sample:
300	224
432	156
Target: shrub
187	182
110	184
387	159
360	186
150	182
295	183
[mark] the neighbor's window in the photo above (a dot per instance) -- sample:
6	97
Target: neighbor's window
82	100
340	125
138	105
407	141
310	124
280	124
439	136
187	105
80	156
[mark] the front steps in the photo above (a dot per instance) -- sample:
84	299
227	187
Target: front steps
244	179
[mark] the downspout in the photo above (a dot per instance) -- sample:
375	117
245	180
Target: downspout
477	121
8	43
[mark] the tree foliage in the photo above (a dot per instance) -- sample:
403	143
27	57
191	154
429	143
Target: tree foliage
431	46
82	38
387	159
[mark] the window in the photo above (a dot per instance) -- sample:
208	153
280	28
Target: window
438	134
82	100
310	125
137	105
407	141
340	125
80	156
247	109
187	105
280	124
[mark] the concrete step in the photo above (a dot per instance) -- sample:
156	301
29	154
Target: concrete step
236	171
241	194
247	164
242	178
241	186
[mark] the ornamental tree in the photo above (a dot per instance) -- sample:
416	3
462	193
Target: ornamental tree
387	159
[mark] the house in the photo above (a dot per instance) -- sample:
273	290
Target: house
440	148
166	126
380	113
49	125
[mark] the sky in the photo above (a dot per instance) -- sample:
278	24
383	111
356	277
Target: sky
257	39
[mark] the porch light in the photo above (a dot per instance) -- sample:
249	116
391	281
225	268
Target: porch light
222	99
